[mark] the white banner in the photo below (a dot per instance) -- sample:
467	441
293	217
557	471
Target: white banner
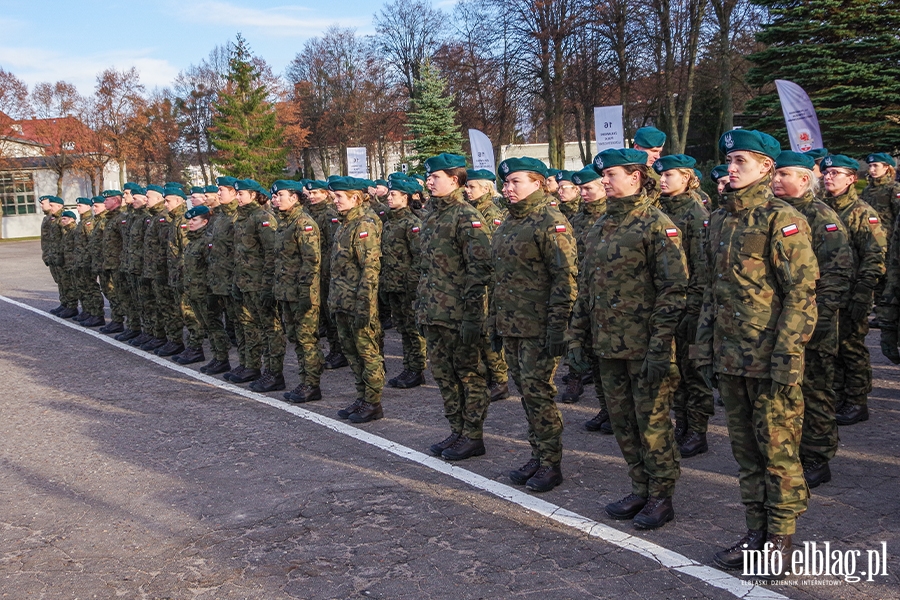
799	116
482	151
608	127
357	164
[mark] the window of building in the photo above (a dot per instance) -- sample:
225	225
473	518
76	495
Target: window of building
17	194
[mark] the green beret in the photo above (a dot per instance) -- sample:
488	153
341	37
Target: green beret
882	157
584	176
403	185
70	214
381	182
251	185
718	172
175	191
698	174
226	181
817	153
649	137
173	184
618	157
398	175
198	189
418	176
156	188
480	174
564	176
553	172
795	159
751	141
841	161
53	199
97	199
346	184
112	193
197	211
138	191
673	161
316	184
86	201
444	161
287	184
211	189
526	163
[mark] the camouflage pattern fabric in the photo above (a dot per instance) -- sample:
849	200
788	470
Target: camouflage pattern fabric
326	217
460	374
68	281
571	208
205	306
88	289
302	328
400	255
361	348
263	333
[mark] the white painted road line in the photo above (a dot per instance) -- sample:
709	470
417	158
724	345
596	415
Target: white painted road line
663	556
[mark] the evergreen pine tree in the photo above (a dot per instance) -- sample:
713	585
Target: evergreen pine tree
433	119
846	55
245	130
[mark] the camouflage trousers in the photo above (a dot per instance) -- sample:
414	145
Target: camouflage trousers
196	331
302	329
404	318
852	369
819	440
109	285
89	292
144	300
208	310
588	350
361	349
639	415
262	333
68	290
326	319
127	287
532	369
170	321
764	423
495	362
460	376
693	402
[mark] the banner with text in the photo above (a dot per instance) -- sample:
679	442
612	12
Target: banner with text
357	163
482	151
608	127
799	116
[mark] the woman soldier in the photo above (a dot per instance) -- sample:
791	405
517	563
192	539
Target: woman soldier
353	295
568	194
693	401
795	183
534	257
582	361
883	194
451	305
400	253
480	193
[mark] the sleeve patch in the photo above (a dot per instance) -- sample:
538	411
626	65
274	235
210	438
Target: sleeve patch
210	246
671	232
265	223
363	234
183	225
162	220
415	230
307	228
873	220
790	230
831	227
335	220
706	222
497	222
560	228
476	224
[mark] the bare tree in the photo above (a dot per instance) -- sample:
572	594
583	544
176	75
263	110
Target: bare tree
407	35
56	126
117	98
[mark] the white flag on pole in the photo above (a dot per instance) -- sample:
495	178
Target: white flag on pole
799	116
357	163
608	127
482	151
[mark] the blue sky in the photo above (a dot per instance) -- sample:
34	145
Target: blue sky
75	40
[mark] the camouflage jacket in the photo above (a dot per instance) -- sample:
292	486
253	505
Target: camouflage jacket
691	218
195	265
583	221
493	214
156	244
631	292
138	222
298	254
328	220
534	254
400	252
220	243
67	242
113	248
760	307
867	241
355	264
571	208
888	309
456	264
832	247
95	243
883	194
83	231
379	208
51	240
176	240
255	240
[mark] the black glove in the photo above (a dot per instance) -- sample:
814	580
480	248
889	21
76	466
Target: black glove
267	298
470	332
556	342
304	304
857	311
823	325
496	342
889	343
236	293
655	367
361	320
709	376
687	328
576	360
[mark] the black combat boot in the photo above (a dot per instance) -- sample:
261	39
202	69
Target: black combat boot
337	361
545	479
367	412
438	449
67	313
154	344
113	327
169	349
626	508
816	473
269	382
412	379
574	389
521	475
57	310
599	423
849	414
345	413
190	356
464	448
692	444
733	557
499	391
392	382
656	513
216	366
245	375
128	335
139	340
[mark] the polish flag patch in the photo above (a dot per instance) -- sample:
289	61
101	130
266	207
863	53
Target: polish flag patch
790	230
415	230
560	228
265	223
163	220
552	203
671	232
123	222
183	225
476	224
706	223
873	220
497	221
363	234
831	227
334	220
210	246
307	228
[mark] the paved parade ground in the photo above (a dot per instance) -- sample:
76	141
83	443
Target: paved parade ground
126	475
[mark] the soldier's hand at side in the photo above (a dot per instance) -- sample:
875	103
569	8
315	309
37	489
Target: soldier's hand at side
709	376
361	320
576	360
823	325
889	343
470	332
858	310
556	342
655	368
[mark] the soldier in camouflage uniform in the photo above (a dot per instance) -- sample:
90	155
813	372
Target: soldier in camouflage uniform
255	241
568	193
400	255
630	300
593	206
157	298
480	193
693	401
112	279
534	257
883	194
296	288
451	305
95	249
180	314
141	297
795	183
353	296
758	313
853	371
52	252
85	281
67	224
651	140
323	213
